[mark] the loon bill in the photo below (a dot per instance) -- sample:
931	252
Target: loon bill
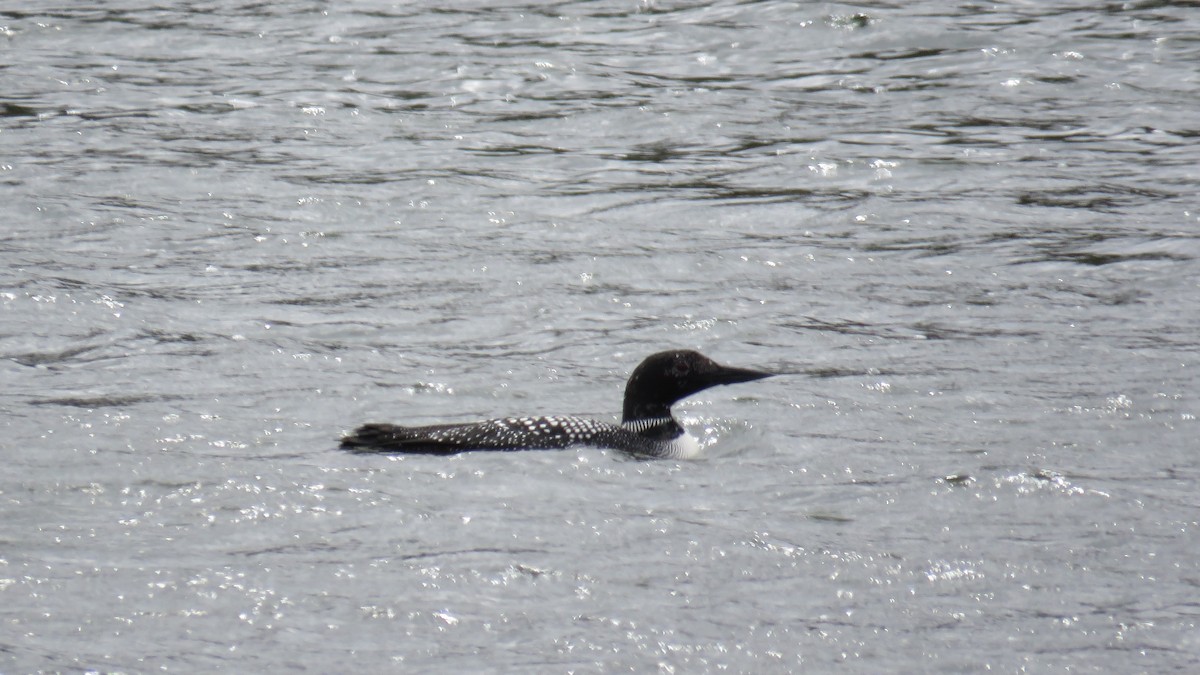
647	427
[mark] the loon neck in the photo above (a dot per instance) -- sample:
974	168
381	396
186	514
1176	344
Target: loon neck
642	412
657	428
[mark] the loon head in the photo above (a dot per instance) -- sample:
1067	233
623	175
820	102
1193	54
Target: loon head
665	377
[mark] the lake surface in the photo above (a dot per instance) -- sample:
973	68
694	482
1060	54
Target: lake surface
235	230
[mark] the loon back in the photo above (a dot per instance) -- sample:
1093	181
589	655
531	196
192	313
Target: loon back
520	433
647	427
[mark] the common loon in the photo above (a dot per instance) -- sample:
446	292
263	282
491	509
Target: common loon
647	428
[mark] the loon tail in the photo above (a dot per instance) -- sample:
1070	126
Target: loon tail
394	438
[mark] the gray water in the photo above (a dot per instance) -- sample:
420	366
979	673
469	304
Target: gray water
232	231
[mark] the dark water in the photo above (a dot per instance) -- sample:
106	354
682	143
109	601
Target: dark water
234	230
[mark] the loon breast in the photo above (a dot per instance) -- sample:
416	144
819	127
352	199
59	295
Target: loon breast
684	446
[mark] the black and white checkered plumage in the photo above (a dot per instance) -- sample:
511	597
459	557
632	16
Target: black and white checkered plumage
647	427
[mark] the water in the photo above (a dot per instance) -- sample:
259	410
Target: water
234	231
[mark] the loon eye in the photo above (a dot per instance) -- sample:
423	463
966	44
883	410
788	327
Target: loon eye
680	368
